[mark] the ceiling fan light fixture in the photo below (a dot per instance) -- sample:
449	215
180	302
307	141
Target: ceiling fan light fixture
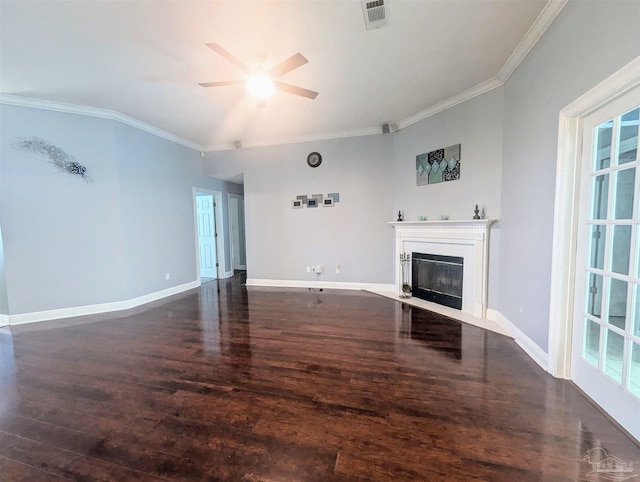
260	85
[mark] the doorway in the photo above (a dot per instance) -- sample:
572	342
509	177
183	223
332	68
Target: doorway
208	234
237	232
605	360
579	255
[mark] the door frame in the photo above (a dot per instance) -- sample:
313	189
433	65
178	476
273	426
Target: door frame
219	228
567	195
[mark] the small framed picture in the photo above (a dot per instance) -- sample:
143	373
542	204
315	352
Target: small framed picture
312	203
327	202
296	204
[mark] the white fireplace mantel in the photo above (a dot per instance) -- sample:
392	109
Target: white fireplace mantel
466	239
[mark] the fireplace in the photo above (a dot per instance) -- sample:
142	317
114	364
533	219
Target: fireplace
466	240
437	278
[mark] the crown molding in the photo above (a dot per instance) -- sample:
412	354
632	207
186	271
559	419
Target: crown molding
533	35
464	96
326	136
95	112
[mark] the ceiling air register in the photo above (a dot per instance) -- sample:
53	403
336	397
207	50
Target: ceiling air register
375	14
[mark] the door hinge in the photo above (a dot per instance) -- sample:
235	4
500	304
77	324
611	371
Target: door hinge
214	204
217	265
215	235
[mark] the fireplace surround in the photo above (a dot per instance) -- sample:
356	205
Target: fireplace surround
468	240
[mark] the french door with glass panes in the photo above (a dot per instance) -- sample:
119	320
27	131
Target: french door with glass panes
606	336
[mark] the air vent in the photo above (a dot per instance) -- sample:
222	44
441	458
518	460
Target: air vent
375	15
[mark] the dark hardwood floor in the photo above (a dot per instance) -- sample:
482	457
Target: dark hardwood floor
286	385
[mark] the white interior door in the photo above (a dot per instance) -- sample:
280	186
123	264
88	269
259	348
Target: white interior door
206	236
606	337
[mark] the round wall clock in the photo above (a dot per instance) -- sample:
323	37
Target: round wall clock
314	159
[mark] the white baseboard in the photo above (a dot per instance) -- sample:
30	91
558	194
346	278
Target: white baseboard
527	344
99	308
4	320
336	285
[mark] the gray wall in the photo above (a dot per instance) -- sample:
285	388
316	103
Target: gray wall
68	243
587	42
282	242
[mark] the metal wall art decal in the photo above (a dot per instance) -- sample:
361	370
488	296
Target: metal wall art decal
63	161
438	166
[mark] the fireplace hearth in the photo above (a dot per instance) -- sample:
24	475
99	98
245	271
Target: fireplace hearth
437	278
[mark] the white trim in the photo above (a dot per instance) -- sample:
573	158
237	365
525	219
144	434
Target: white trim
227	274
100	308
533	35
4	320
536	353
337	285
565	210
95	112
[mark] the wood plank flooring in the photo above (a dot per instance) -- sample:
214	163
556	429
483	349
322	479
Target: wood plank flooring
286	385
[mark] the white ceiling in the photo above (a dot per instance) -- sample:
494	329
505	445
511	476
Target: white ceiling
144	59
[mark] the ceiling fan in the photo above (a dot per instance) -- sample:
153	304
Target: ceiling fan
263	79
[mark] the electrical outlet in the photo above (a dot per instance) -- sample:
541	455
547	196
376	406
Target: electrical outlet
317	269
337	268
308	269
167	276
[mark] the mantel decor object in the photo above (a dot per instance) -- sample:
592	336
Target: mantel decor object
476	214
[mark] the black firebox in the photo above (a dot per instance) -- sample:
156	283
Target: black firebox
437	278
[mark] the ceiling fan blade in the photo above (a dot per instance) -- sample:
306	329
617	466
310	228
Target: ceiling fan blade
222	83
288	65
231	58
294	89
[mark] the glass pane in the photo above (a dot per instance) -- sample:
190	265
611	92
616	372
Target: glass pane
634	382
603	145
594	295
591	341
628	139
597	239
600	191
624	184
613	357
635	328
617	302
620	249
